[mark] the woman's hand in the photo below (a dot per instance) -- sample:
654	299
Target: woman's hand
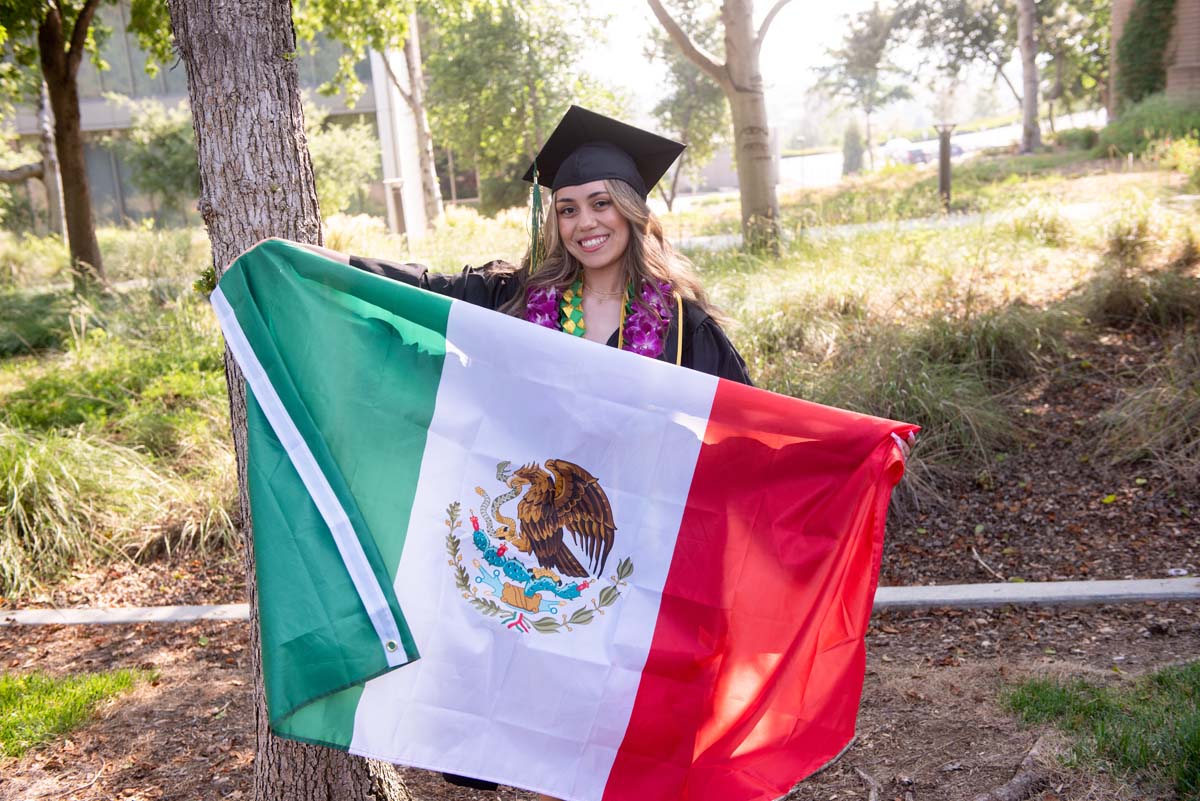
906	444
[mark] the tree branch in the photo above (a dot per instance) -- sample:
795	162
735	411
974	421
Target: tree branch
408	98
1000	73
79	35
22	173
697	55
766	23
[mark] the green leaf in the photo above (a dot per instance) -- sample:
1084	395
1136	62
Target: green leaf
581	617
546	625
608	596
1108	499
979	528
625	568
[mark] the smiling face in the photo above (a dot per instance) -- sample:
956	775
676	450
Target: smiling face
591	228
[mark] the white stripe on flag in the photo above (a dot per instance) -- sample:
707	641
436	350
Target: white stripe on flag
314	481
485	697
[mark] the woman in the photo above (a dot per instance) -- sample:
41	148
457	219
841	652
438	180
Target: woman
607	274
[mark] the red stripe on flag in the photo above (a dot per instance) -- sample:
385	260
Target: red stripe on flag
756	665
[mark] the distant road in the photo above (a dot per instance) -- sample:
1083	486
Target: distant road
825	169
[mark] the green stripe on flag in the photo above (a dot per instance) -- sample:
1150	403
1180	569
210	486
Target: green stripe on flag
358	379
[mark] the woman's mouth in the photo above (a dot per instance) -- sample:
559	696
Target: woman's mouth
593	243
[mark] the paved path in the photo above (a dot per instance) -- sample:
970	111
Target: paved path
960	596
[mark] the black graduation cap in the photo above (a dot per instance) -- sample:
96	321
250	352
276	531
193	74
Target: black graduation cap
587	146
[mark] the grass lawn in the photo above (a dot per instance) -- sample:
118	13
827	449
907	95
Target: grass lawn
1148	729
35	707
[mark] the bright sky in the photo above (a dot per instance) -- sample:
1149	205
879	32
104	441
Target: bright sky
796	43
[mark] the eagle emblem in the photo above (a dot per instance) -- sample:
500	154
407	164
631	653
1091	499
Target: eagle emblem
565	497
565	581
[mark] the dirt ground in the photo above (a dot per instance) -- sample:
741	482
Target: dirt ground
930	728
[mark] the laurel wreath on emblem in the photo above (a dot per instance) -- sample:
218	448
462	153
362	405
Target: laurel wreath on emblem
509	586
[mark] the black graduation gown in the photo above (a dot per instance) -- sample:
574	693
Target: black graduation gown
705	346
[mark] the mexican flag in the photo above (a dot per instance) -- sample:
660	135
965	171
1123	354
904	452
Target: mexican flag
487	548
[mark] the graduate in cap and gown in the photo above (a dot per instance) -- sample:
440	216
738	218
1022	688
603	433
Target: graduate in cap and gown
600	266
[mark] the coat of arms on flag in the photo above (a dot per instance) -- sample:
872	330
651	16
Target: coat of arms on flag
519	570
416	610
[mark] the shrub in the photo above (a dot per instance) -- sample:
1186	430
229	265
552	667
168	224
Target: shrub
1077	138
26	259
1127	234
997	344
1156	117
1041	221
32	322
159	255
1120	297
1159	421
1181	155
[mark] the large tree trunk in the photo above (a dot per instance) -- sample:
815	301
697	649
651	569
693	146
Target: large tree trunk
1031	135
256	181
60	52
751	134
430	187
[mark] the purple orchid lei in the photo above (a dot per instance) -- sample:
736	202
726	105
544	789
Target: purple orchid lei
541	306
646	323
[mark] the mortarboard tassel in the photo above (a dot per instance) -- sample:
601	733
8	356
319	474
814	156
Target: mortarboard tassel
535	225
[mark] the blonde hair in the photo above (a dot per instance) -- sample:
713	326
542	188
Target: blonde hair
648	257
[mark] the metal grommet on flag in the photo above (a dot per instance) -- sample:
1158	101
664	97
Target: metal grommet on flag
391	645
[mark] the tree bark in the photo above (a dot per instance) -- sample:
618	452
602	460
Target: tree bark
1031	135
740	78
60	52
256	181
51	175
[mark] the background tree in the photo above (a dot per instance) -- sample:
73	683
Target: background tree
500	76
1070	36
160	151
860	70
959	33
852	150
385	26
1075	36
256	181
20	165
1031	134
345	158
47	40
694	109
740	78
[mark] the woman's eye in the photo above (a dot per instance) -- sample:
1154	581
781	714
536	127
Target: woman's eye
566	211
602	204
